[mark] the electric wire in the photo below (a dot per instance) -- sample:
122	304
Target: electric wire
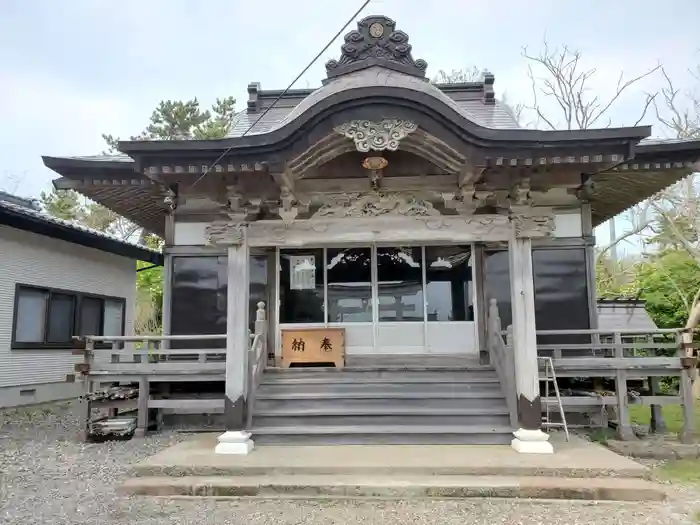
303	71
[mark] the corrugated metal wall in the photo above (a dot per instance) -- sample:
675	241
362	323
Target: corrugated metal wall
28	258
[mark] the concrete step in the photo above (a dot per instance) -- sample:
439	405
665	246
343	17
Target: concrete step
397	487
335	440
359	434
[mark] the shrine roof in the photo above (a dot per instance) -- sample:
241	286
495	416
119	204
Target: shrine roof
468	99
376	77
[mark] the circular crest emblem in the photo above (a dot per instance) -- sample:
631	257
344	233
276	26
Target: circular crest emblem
376	30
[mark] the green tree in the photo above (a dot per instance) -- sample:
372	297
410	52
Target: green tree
170	120
175	119
669	284
63	204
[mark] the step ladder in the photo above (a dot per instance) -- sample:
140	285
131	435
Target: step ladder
550	377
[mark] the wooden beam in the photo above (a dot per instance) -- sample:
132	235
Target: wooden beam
617	363
470	175
284	179
386	228
655	400
188	404
436	183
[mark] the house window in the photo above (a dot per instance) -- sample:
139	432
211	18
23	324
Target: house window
49	318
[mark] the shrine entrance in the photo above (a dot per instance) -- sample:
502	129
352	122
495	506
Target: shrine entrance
389	299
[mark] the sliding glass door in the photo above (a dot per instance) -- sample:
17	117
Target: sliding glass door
400	300
390	300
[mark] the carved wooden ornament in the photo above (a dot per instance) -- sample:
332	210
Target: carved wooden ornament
225	233
376	204
378	136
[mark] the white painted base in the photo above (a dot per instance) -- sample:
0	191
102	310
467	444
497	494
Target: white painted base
531	442
237	442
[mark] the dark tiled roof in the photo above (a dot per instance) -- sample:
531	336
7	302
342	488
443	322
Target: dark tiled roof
624	315
27	216
467	101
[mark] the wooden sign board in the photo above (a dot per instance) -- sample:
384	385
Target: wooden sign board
313	345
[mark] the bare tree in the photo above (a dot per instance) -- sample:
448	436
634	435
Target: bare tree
11	182
680	112
458	76
557	75
562	98
677	206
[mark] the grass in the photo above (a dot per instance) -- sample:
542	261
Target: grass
686	471
673	416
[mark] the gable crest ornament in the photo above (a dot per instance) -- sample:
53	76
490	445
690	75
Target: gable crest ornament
383	135
376	42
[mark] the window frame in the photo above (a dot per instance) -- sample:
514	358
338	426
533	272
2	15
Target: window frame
77	298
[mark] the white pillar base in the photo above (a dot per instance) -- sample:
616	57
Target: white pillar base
531	442
234	442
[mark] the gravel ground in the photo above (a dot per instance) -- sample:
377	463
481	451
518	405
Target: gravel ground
47	477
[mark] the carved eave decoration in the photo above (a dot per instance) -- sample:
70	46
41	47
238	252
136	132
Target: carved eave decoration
389	134
355	205
385	134
225	233
528	225
384	228
376	41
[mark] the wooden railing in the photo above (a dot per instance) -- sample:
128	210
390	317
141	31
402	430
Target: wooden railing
502	359
146	360
622	355
257	360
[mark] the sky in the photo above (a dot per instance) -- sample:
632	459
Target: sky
72	70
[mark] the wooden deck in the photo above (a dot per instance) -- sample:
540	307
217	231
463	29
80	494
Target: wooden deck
153	364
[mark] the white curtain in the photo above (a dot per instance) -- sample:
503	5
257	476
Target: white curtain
31	316
113	318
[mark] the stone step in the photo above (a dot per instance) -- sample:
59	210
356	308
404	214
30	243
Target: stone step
335	440
396	434
397	487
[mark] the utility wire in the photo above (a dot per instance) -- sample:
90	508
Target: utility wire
350	20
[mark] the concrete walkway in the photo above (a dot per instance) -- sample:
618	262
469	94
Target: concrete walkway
578	458
578	470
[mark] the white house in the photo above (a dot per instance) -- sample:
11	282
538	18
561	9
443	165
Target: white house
57	280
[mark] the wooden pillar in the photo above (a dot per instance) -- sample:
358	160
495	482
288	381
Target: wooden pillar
166	304
236	440
657	423
529	437
587	227
689	432
480	303
624	423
